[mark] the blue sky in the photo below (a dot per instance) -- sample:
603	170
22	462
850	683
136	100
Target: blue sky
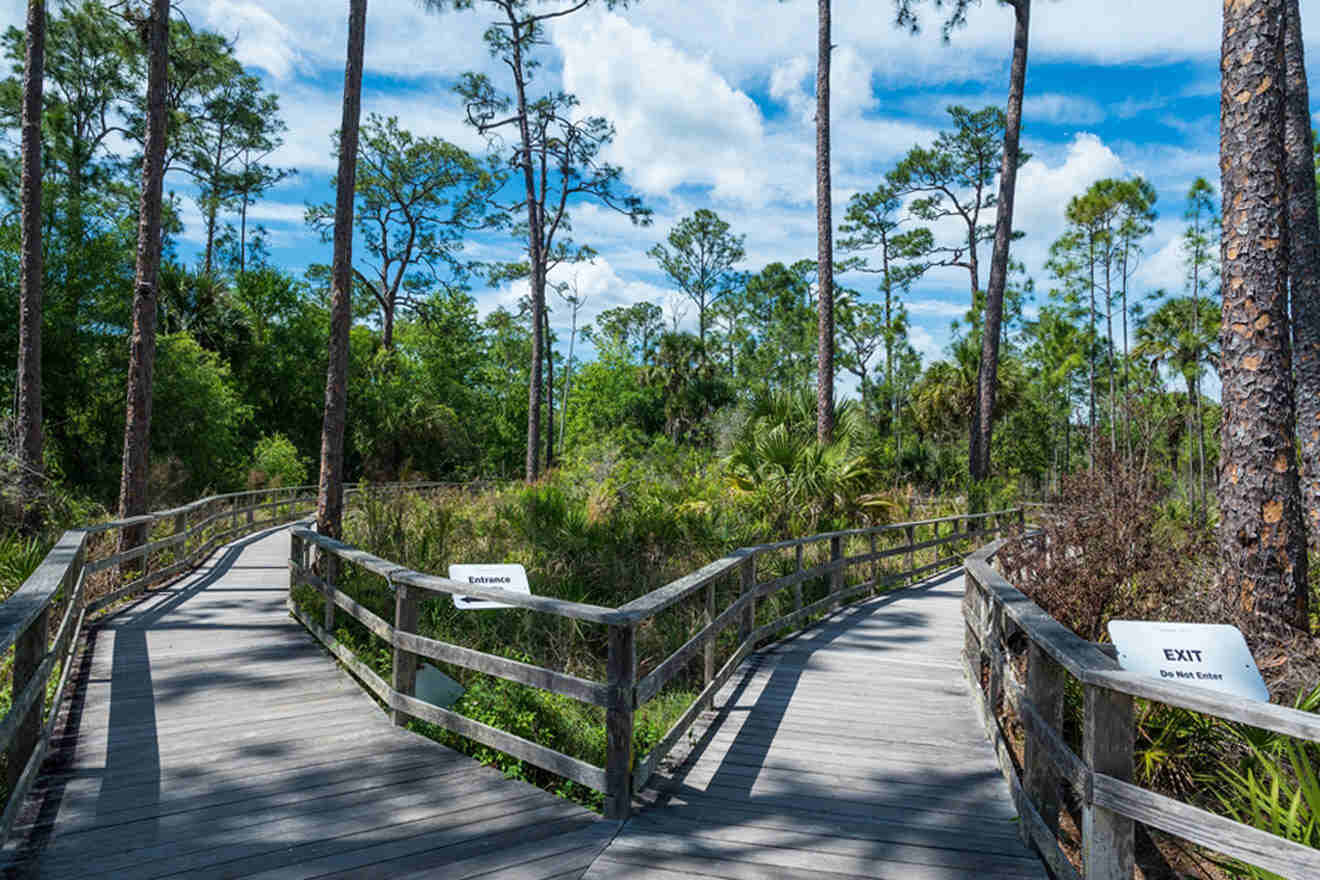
713	105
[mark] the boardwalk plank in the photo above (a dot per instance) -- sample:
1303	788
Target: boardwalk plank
848	750
208	735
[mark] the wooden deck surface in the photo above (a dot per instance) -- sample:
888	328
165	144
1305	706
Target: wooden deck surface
850	750
210	736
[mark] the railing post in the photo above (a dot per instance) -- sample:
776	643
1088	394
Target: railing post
797	587
296	563
974	628
1107	738
709	648
250	511
181	528
329	574
1045	683
836	576
233	513
911	532
875	566
747	580
993	647
622	674
29	650
405	662
1022	518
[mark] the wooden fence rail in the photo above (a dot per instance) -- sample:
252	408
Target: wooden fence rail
624	690
1002	622
60	587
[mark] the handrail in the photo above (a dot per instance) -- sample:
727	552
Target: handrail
62	577
624	691
994	611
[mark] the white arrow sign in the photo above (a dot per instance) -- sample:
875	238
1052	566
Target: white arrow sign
510	576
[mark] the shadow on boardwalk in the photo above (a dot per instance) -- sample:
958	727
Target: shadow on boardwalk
848	750
207	735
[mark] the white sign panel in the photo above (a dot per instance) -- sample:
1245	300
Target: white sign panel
1209	655
505	577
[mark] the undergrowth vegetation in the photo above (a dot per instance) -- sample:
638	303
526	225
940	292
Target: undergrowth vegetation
603	529
1118	545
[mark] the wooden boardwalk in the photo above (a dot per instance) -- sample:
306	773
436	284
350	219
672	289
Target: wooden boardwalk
209	736
850	750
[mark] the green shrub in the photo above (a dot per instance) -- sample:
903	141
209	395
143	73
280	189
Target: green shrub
276	462
19	557
1274	788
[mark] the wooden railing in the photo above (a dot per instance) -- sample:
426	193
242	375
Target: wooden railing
625	690
1002	623
178	539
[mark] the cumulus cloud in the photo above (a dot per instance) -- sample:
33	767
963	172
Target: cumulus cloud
290	37
679	122
597	282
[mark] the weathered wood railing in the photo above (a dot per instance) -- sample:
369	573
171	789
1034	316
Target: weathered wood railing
60	586
626	689
1001	621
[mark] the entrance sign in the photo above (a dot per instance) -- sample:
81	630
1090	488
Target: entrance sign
506	577
1210	655
435	687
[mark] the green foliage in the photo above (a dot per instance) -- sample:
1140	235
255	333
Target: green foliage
276	462
698	257
1275	787
19	557
800	484
195	387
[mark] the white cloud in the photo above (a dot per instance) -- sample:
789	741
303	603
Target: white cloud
1061	109
787	83
925	344
679	122
288	37
597	282
1043	191
936	307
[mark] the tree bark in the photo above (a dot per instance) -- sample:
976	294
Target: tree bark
330	493
988	374
30	290
1262	536
535	256
1090	363
824	235
549	393
1304	266
1109	324
142	347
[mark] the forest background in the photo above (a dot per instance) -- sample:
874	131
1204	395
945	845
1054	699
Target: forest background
245	288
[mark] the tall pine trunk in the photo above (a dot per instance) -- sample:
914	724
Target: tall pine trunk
1113	388
1202	499
1090	365
1304	266
549	392
988	374
142	347
824	234
535	255
330	493
1262	536
29	284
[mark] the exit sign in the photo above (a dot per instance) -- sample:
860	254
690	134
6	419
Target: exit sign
1209	655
